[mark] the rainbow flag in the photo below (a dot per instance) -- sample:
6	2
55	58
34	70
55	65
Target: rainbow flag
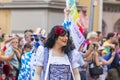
75	29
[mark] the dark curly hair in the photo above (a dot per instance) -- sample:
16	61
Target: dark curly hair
52	37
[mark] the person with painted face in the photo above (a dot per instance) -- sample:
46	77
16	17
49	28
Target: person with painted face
35	41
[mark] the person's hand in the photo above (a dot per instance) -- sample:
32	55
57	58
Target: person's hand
112	46
113	54
91	47
15	47
16	50
81	48
66	11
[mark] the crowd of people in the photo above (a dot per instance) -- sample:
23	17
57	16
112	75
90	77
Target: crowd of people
54	57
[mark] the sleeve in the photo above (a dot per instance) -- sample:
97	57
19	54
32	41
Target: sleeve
81	61
66	24
75	59
8	51
40	56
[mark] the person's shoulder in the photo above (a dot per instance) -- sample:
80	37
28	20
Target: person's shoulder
41	47
9	50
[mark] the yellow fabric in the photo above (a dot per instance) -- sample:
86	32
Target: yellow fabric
106	43
106	50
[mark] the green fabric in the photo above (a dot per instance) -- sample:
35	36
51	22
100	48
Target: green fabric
106	50
1	39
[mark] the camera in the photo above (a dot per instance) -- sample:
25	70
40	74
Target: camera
94	47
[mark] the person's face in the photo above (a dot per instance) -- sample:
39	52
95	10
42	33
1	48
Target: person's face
35	39
94	39
21	42
62	40
3	76
117	47
27	49
113	39
14	43
100	37
28	38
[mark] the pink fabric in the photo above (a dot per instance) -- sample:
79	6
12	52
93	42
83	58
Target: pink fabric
118	51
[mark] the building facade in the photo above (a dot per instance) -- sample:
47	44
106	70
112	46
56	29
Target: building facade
97	18
5	15
20	15
111	16
106	18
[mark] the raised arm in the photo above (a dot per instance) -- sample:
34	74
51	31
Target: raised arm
103	61
66	13
6	58
110	60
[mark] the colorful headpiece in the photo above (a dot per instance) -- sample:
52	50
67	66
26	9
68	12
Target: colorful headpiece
41	32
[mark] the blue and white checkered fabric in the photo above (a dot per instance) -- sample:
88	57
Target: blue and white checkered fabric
66	24
25	70
33	65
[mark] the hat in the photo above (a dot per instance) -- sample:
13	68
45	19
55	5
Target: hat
41	32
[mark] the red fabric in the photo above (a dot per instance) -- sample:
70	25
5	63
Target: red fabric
6	69
13	78
4	49
80	28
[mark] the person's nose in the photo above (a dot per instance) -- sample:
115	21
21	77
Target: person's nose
66	37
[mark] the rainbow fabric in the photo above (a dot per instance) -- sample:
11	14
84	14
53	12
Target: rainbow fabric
40	32
75	28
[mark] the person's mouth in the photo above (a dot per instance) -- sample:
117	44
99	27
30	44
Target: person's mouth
65	41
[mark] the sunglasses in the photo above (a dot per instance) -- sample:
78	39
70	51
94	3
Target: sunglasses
36	39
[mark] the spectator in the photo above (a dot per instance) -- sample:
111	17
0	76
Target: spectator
14	62
108	43
100	37
25	63
115	63
99	61
27	36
